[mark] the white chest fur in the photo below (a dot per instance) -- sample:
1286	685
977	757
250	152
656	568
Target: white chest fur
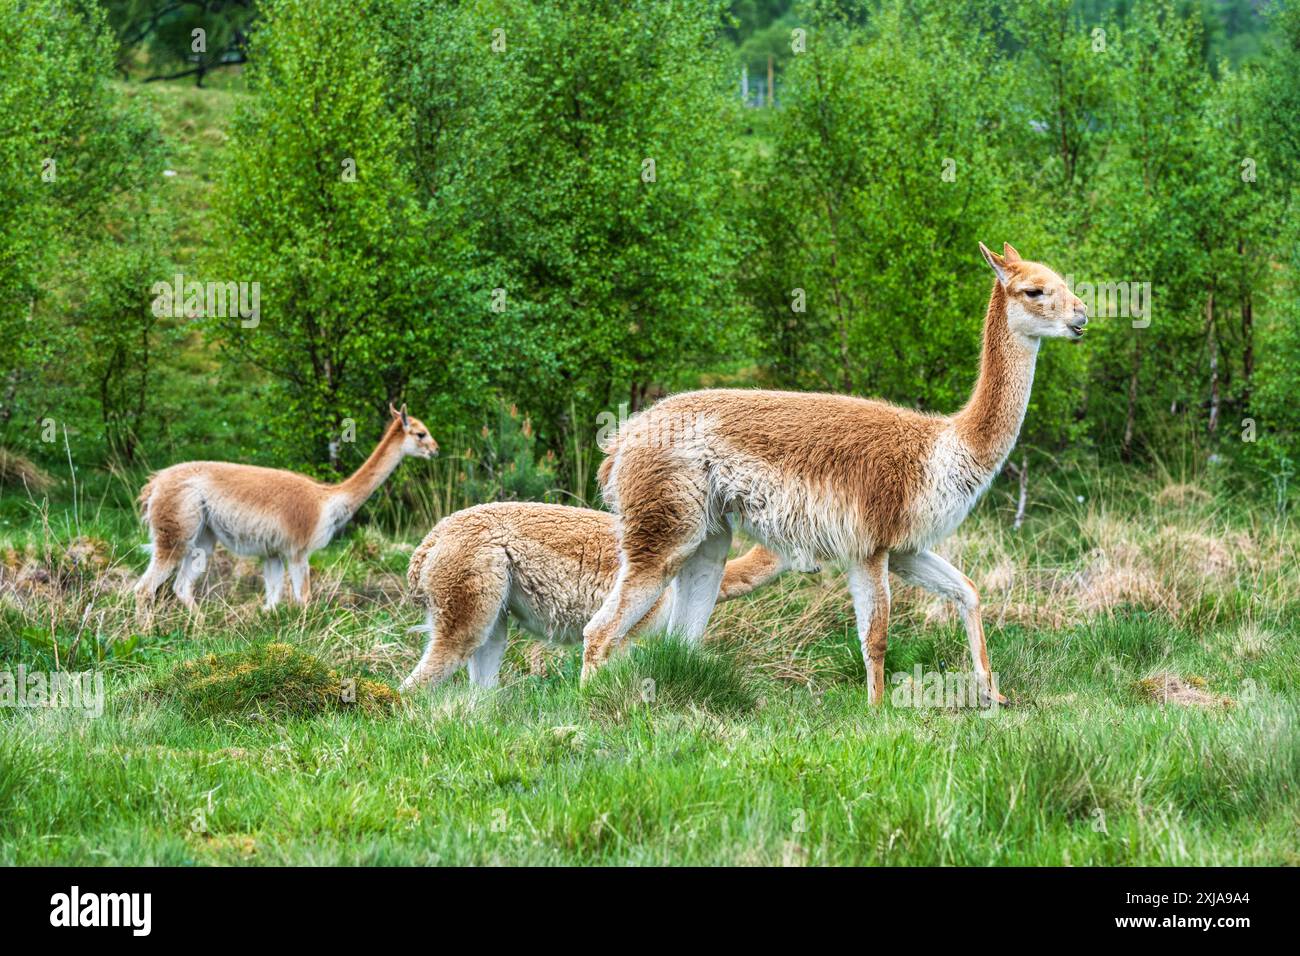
954	482
336	513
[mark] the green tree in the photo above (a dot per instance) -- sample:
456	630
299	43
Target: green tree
614	122
181	38
74	155
318	208
895	152
1150	224
117	331
1271	111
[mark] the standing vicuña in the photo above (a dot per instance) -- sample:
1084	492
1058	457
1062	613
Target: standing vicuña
862	482
259	512
549	566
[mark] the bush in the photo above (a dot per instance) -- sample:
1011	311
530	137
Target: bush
506	466
75	158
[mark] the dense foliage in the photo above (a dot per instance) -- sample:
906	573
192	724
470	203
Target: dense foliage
565	207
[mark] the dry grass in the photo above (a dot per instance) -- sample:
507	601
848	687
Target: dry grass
1181	495
782	630
1228	575
17	471
1165	688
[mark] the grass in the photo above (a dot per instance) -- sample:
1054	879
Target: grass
268	682
225	739
667	676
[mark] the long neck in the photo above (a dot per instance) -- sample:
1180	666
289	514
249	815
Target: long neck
374	471
990	421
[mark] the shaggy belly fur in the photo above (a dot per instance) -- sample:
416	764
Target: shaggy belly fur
551	565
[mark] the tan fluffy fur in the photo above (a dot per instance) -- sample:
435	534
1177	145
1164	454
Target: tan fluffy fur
832	477
548	566
261	512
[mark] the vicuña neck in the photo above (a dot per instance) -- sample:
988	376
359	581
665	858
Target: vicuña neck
990	422
374	471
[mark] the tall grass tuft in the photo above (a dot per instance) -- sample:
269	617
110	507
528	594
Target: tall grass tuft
669	674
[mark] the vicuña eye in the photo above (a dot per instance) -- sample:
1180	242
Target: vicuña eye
421	434
1033	293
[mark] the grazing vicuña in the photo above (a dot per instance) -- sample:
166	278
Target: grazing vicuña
549	566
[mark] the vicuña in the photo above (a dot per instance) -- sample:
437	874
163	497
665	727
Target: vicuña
259	512
549	566
865	483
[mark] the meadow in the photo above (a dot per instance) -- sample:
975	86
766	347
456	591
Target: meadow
1145	635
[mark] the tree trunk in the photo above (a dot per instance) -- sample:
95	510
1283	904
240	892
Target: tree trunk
1023	499
846	370
1130	417
1214	364
1247	335
1247	346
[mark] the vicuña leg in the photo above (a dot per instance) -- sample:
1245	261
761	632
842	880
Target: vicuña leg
273	580
698	585
175	521
467	615
300	578
195	562
927	570
662	525
869	585
485	663
635	592
161	565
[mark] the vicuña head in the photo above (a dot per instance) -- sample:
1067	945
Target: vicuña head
1039	304
418	442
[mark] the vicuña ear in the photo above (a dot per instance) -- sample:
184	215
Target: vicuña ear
998	264
406	419
393	411
1009	252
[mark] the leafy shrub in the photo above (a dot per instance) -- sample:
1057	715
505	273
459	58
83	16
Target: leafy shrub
505	467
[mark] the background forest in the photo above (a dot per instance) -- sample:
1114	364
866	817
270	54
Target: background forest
525	219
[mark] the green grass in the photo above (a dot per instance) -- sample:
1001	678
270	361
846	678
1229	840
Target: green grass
667	675
225	740
721	762
268	682
539	773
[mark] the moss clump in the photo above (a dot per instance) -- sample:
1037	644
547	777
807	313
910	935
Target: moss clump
670	675
270	681
1166	688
